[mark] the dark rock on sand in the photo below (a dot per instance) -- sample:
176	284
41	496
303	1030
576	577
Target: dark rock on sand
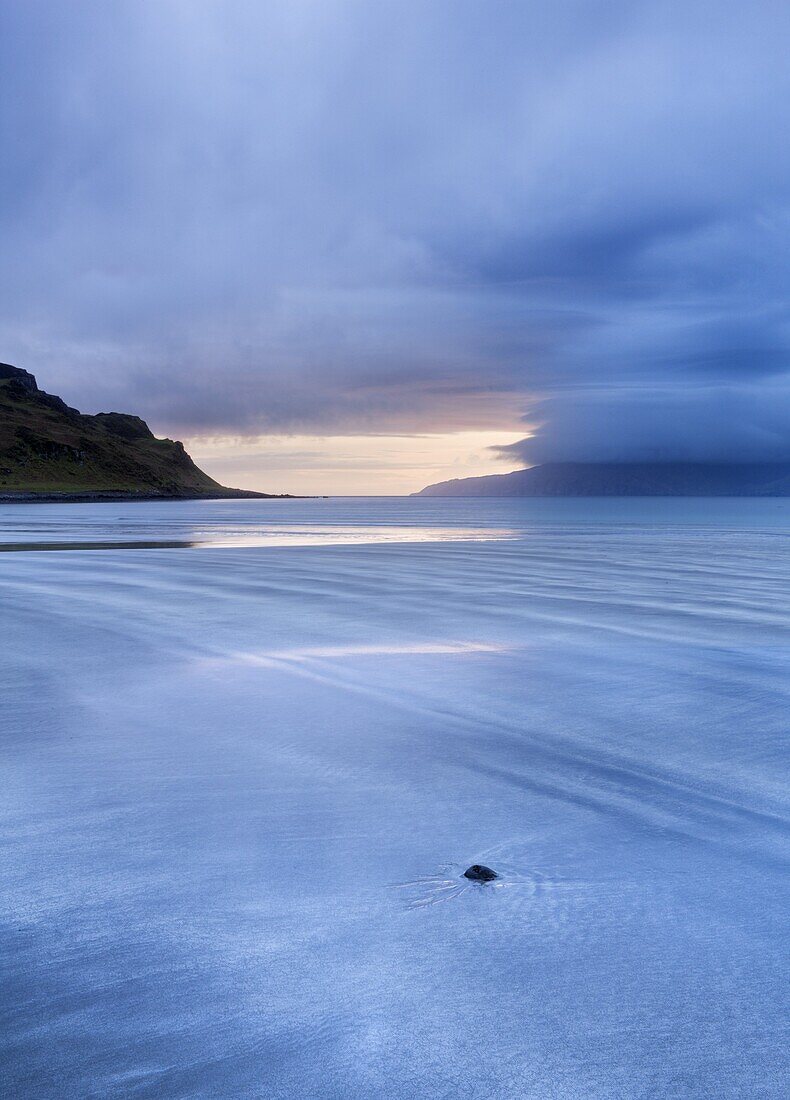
479	873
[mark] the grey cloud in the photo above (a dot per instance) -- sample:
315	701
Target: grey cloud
340	216
705	424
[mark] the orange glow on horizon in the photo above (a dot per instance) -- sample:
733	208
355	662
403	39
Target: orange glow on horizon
358	465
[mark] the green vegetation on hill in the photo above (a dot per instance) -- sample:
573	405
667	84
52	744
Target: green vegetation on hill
48	448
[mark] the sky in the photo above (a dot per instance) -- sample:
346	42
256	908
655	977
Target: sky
355	246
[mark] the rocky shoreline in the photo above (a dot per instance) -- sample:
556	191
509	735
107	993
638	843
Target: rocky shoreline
113	497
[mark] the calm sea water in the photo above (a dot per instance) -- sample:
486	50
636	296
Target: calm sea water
249	747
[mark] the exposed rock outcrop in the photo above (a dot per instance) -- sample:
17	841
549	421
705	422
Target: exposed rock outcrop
49	450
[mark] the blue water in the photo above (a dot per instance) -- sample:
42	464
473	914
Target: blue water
243	774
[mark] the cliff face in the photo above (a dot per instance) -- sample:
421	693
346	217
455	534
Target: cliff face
48	448
601	479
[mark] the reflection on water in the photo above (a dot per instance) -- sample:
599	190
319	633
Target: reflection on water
238	538
335	651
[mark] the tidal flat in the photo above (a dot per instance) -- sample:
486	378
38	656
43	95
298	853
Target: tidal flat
250	747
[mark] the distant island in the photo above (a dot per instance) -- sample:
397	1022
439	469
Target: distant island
625	479
51	452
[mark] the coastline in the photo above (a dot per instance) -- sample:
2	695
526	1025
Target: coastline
111	496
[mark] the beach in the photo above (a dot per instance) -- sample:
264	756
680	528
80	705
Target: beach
249	748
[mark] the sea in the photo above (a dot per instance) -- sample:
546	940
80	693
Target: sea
248	749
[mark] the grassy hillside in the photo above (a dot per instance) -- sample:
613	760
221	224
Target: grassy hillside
47	447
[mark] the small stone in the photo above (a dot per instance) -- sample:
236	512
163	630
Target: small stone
479	873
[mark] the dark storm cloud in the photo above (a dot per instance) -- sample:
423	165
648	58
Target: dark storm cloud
344	216
706	423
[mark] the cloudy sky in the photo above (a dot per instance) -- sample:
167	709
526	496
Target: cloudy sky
360	245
